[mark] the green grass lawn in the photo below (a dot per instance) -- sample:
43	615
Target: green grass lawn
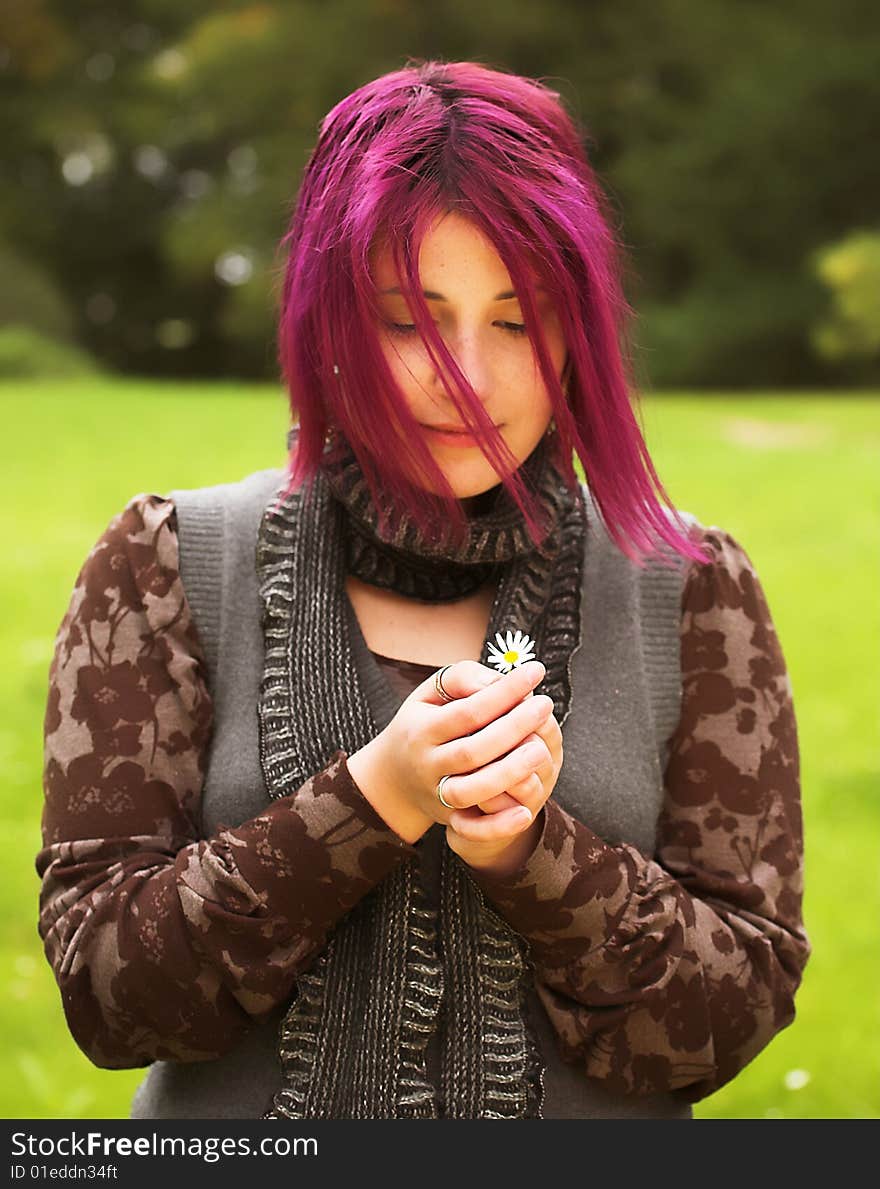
796	479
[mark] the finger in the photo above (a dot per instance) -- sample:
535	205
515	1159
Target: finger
537	784
532	791
499	737
459	680
509	799
490	827
551	733
528	792
476	708
461	791
523	792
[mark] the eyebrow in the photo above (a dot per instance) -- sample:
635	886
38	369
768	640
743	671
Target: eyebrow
507	295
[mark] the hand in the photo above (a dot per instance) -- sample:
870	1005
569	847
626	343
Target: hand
488	837
479	738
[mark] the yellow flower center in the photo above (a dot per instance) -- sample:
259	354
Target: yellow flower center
511	657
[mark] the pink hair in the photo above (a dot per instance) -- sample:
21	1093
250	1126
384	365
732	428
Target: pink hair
502	151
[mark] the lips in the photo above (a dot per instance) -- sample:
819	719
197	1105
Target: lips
449	428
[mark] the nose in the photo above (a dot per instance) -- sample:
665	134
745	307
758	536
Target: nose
470	355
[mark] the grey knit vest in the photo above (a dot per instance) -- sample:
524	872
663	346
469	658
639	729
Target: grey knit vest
626	692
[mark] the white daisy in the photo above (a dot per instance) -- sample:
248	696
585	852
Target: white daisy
515	650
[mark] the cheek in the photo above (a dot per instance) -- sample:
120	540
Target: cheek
400	372
556	344
540	412
404	361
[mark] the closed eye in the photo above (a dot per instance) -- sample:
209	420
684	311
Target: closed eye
409	328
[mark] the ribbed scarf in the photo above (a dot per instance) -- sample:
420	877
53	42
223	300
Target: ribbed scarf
353	1042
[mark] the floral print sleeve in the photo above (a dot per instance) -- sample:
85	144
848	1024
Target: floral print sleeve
671	972
166	945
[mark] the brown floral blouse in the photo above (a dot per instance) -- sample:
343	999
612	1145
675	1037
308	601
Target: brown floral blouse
658	972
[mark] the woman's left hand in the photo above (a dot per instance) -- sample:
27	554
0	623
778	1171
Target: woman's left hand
489	836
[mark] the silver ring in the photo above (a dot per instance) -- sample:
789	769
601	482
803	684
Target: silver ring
438	684
440	792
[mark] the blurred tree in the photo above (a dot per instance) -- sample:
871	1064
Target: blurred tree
26	352
851	270
29	296
150	152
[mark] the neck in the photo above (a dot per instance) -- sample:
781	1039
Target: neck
478	505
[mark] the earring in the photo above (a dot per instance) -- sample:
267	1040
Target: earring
336	369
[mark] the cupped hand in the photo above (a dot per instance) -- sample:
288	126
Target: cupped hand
496	835
490	740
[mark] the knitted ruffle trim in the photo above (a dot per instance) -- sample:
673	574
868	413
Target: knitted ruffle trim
353	1042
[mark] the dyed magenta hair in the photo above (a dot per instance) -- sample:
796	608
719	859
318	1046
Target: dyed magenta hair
392	157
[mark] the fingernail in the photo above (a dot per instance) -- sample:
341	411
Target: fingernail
523	814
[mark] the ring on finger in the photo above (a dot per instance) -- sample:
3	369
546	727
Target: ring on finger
438	684
440	792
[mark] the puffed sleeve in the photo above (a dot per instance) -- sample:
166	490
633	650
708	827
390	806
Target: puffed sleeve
671	971
166	945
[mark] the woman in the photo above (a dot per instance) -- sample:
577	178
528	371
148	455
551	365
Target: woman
313	846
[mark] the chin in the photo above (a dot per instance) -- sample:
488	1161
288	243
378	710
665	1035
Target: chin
470	478
469	488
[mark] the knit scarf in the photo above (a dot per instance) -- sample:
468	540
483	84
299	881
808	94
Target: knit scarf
353	1041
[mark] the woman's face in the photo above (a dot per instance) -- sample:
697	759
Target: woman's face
468	291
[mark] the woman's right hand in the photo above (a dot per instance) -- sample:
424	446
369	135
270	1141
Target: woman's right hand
484	733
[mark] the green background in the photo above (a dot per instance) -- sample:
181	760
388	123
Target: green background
794	479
